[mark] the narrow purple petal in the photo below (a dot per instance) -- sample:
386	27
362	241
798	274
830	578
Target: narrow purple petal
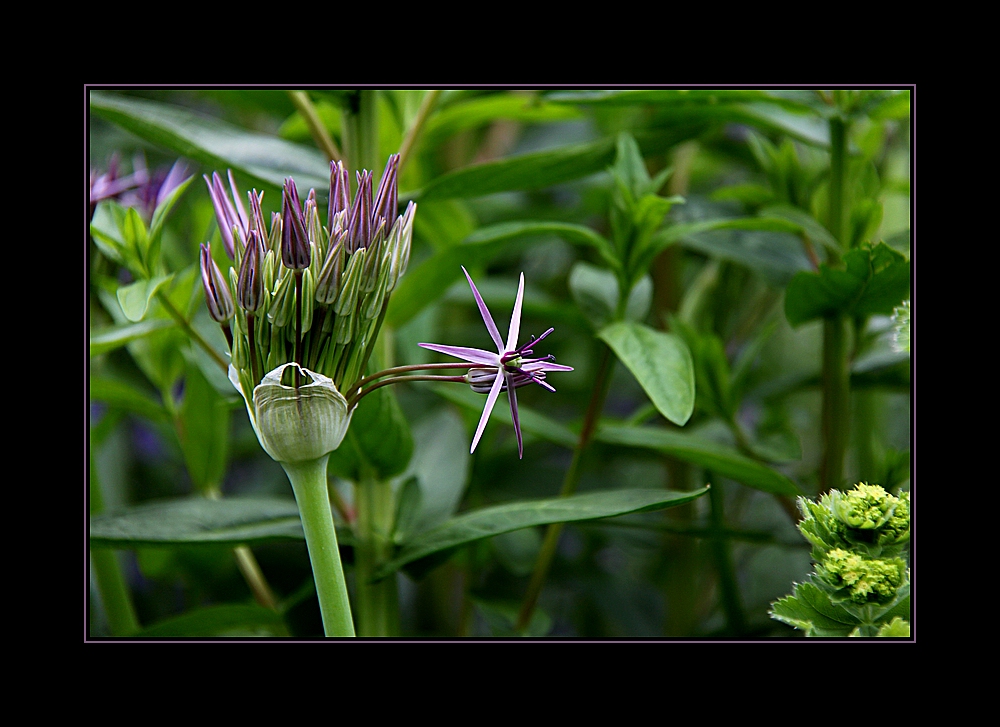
240	209
485	312
515	317
472	355
512	398
545	366
491	400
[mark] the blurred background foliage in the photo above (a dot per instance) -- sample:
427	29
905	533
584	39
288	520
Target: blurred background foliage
748	268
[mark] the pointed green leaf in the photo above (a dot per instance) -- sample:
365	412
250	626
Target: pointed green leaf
660	362
224	620
490	521
134	299
874	280
122	395
108	339
198	520
688	447
263	159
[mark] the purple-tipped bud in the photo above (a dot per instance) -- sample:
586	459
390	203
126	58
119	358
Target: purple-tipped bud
257	216
217	295
361	216
328	282
240	209
386	199
225	214
295	253
340	193
250	286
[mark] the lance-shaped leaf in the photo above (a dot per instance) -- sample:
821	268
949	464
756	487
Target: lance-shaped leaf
134	299
660	362
490	521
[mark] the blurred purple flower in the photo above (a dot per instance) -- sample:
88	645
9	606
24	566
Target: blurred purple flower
140	189
510	366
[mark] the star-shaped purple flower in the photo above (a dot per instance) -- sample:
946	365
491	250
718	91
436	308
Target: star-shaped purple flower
511	364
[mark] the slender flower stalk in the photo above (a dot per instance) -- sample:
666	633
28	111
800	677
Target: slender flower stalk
507	369
309	302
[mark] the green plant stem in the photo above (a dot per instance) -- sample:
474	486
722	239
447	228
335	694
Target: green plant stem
378	607
570	482
122	620
191	333
361	130
728	588
309	484
413	133
320	135
835	374
404	369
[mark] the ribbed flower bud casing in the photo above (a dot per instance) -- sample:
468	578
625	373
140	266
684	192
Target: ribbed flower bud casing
386	199
294	240
250	286
340	197
360	225
217	295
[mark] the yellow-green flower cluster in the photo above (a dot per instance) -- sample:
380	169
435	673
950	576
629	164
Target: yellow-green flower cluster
861	579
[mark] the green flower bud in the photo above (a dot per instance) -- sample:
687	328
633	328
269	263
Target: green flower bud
859	579
350	283
296	424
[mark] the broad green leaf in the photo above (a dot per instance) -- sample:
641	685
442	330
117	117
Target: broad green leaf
487	522
203	429
159	217
198	520
136	238
874	280
121	395
224	620
263	159
134	298
531	421
425	283
108	339
687	447
542	169
660	362
379	438
441	463
768	245
443	223
479	111
811	611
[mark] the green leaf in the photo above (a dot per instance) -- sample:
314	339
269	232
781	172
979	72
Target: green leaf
767	245
224	620
379	437
136	239
134	298
441	463
425	283
660	362
121	395
203	429
688	447
108	339
810	610
159	217
483	110
198	520
265	160
490	521
874	280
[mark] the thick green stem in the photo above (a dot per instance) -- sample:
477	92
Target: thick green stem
309	484
570	481
729	591
836	396
361	130
378	606
835	373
